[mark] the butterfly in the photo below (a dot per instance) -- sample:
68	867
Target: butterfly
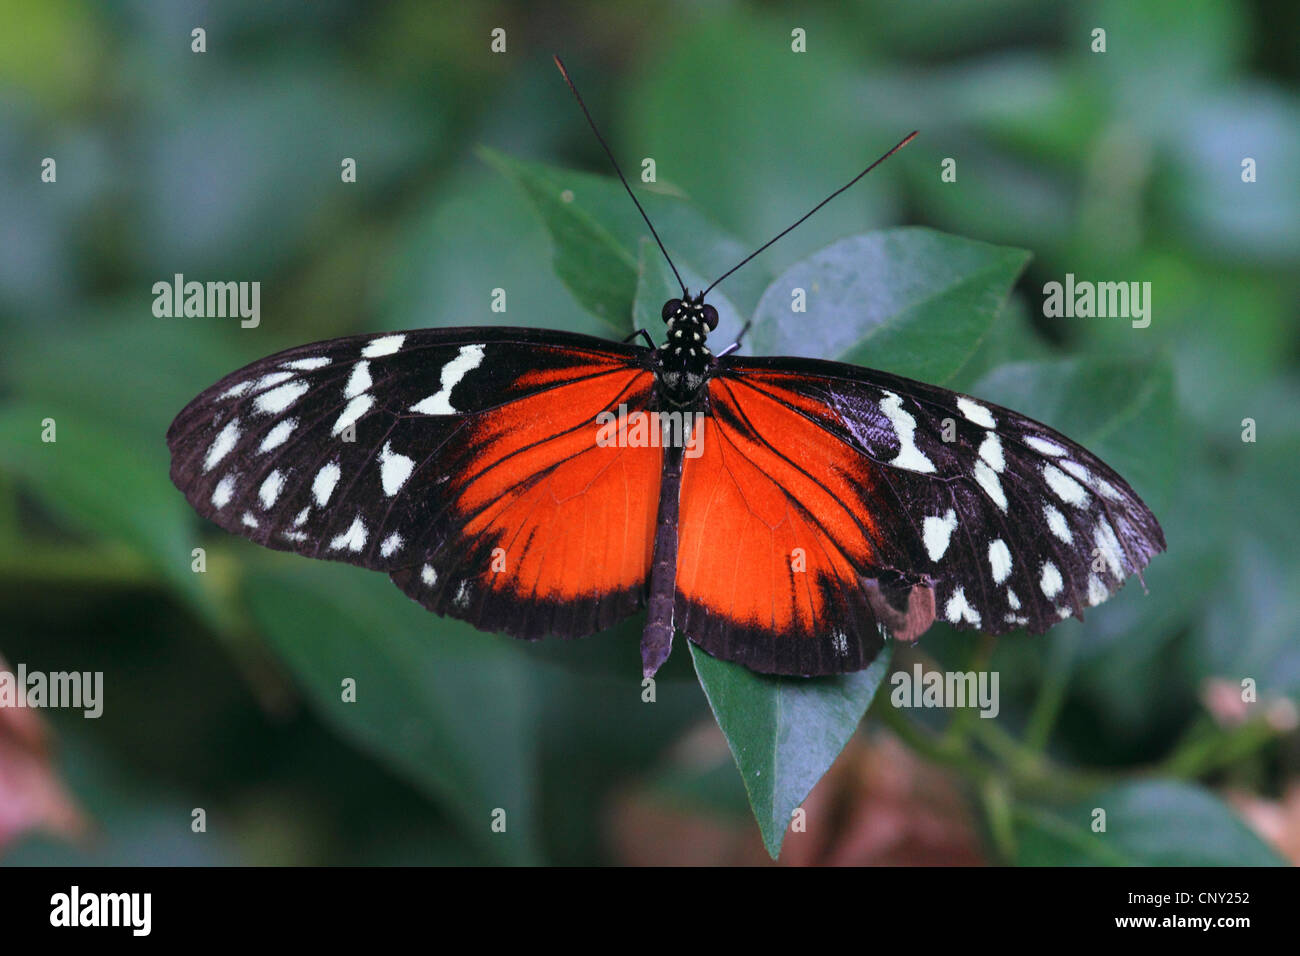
786	514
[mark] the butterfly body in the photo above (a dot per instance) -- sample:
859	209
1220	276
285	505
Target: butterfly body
684	361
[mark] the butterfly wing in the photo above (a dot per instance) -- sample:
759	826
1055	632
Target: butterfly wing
848	517
461	461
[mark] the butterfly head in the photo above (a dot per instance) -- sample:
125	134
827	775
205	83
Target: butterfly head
685	317
684	356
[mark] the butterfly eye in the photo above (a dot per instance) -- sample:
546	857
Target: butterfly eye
670	308
711	317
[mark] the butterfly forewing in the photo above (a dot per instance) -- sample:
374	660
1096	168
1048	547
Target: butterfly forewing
460	460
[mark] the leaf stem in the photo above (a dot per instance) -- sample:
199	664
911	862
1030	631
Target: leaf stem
1051	695
998	811
1206	748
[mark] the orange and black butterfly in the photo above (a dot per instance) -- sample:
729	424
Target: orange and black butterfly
786	514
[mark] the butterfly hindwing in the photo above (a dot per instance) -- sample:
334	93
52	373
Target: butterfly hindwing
774	540
459	460
1008	524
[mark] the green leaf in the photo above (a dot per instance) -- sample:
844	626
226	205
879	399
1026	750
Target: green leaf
447	707
100	479
97	480
1148	823
441	274
784	732
654	287
913	301
1249	627
596	232
598	269
1252	610
156	367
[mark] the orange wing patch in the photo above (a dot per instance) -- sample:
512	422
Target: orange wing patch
774	543
555	530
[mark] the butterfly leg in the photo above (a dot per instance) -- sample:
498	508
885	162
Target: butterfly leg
644	334
736	344
657	638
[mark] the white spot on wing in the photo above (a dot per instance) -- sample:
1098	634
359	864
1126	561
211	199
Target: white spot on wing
301	520
390	545
1065	487
999	560
1013	600
247	520
958	609
467	359
1103	536
1079	472
224	491
1056	523
386	345
428	575
354	539
937	532
307	364
271	488
991	451
322	486
1051	582
909	456
271	378
355	409
1043	446
988	480
1097	591
1106	489
278	435
975	412
221	446
394	469
279	398
461	600
358	381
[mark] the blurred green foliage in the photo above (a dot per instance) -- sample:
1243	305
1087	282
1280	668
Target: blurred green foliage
223	688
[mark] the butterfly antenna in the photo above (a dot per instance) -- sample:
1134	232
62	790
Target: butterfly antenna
907	139
608	152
